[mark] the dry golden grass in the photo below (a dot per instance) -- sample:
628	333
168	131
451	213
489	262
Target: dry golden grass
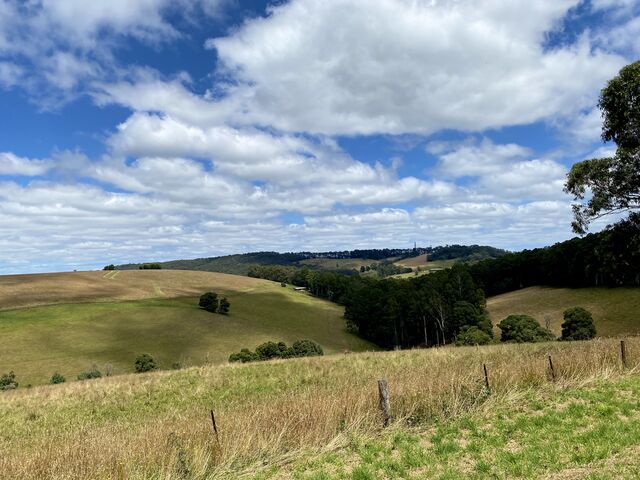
158	425
18	291
418	261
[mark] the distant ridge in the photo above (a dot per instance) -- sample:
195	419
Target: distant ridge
240	264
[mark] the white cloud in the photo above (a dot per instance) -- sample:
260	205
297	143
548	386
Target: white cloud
396	66
11	164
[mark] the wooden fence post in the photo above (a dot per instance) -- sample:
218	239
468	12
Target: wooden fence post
486	376
553	371
623	353
215	428
385	405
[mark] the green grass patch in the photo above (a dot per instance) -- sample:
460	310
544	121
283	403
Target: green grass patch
36	342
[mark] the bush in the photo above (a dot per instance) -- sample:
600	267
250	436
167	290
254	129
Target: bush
8	381
110	267
578	324
244	356
472	335
224	306
270	350
523	328
93	372
57	378
145	363
209	301
306	348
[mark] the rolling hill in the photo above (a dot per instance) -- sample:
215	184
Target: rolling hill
615	310
67	322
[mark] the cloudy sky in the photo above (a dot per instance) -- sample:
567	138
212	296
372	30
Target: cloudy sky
163	129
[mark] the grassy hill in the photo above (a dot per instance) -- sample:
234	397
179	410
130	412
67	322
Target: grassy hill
615	310
68	321
317	418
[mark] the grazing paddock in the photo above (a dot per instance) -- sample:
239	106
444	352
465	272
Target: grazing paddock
616	311
18	291
319	418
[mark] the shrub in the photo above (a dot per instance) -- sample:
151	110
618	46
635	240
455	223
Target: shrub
57	378
93	372
110	267
268	350
209	301
8	381
306	348
578	324
244	356
224	306
145	363
523	328
472	335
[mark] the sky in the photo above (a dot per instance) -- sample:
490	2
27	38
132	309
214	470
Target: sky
167	129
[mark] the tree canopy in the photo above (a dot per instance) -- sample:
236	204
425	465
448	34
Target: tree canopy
613	183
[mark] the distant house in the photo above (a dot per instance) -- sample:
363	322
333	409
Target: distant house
300	289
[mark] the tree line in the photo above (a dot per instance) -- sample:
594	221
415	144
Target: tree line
607	258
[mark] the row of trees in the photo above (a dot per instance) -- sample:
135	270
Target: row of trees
608	258
271	350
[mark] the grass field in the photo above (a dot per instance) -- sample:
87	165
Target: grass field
337	263
103	286
616	311
68	338
318	418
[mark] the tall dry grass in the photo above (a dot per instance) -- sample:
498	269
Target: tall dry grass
158	425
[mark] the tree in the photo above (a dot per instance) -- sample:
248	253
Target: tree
110	267
209	302
268	350
578	324
523	328
145	363
8	381
57	378
613	182
224	306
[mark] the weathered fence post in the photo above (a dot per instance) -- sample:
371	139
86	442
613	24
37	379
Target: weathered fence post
215	428
553	371
385	405
486	377
623	353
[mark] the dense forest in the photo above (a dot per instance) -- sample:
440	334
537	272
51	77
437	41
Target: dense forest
608	258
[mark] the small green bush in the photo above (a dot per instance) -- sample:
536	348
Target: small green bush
8	381
57	378
224	306
472	335
268	350
93	372
523	328
145	363
244	356
306	348
209	302
577	325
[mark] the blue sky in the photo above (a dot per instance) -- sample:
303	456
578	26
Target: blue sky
155	130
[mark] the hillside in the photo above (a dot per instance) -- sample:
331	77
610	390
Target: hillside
615	310
66	322
318	418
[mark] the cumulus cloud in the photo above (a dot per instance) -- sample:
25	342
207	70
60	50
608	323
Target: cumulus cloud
11	164
398	66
